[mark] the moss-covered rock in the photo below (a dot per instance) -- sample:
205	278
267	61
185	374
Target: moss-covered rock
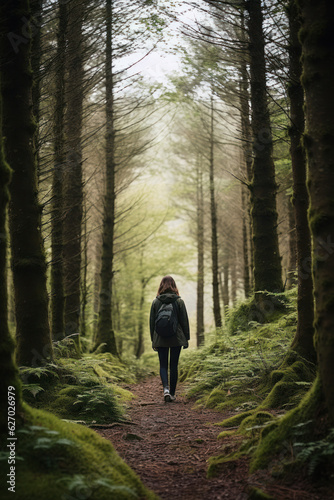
56	459
268	309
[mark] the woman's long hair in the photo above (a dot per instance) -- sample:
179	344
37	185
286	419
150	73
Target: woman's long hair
167	285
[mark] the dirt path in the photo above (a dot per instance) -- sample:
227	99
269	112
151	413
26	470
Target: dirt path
169	444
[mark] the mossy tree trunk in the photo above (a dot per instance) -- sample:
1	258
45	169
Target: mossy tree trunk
28	258
8	370
214	235
303	341
247	163
318	61
73	186
291	279
245	240
105	333
200	259
57	271
267	261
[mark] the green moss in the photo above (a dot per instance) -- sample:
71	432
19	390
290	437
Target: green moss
235	420
223	463
272	442
215	397
264	308
253	423
69	461
289	382
257	494
224	434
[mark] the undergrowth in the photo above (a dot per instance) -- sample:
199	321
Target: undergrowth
250	368
61	460
85	388
235	371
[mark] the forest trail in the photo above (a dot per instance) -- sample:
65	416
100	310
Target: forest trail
169	444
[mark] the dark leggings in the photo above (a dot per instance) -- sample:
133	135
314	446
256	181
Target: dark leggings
174	359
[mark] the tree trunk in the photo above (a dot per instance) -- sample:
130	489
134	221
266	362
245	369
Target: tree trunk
97	268
267	261
214	236
105	332
140	341
57	271
247	160
28	258
36	7
200	260
245	240
225	283
8	370
233	267
303	341
84	283
73	189
292	265
318	62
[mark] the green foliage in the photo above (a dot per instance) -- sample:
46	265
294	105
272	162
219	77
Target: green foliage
251	312
258	494
101	402
316	454
65	460
80	482
234	372
84	389
281	437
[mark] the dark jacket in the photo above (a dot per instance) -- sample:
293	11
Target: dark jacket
183	335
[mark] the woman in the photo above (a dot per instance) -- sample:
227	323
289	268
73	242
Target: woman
169	294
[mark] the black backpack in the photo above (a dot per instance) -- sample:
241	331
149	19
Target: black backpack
166	322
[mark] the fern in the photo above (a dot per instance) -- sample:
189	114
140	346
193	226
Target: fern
34	389
78	482
315	453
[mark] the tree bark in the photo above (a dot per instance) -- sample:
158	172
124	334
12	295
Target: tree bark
36	7
247	161
233	267
105	333
245	240
140	340
214	236
8	370
291	279
225	283
318	62
28	258
57	270
267	261
84	281
200	259
303	341
73	189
